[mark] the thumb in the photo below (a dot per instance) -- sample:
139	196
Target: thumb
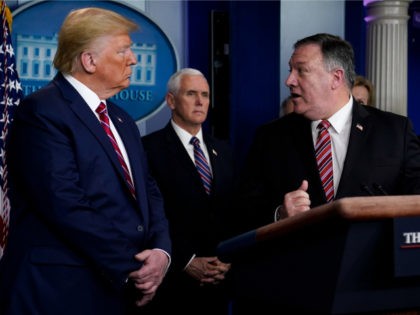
304	185
142	256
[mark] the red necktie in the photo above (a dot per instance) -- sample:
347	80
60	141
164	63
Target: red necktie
323	155
201	164
103	116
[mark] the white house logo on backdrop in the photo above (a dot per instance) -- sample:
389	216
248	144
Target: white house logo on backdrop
36	43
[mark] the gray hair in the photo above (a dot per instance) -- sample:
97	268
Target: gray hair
174	82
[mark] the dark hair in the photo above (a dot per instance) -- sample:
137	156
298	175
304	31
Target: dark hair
336	52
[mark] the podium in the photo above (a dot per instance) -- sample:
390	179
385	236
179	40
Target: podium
358	255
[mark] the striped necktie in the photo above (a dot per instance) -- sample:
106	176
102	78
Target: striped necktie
104	118
323	155
202	165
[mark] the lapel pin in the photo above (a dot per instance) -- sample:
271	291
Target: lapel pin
214	152
119	119
360	127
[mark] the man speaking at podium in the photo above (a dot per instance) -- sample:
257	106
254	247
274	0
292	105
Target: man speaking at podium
331	146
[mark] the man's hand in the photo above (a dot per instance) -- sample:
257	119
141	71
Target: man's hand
296	201
150	275
207	270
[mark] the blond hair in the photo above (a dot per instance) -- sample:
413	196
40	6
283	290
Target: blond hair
362	81
81	28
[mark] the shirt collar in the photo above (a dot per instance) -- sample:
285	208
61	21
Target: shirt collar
340	118
184	135
87	94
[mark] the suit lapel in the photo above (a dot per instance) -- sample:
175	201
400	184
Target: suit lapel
214	159
177	149
303	133
360	128
129	140
85	114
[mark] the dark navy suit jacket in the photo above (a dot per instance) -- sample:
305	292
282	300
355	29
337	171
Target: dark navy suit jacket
74	226
197	221
383	151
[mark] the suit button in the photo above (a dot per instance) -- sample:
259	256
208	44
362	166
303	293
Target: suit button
139	228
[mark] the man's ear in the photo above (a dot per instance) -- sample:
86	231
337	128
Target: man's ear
338	78
170	100
88	62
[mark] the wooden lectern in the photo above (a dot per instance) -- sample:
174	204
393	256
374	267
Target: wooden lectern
358	255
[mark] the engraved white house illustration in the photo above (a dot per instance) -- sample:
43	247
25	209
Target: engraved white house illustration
36	45
36	53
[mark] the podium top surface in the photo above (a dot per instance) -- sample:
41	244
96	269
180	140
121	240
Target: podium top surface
351	208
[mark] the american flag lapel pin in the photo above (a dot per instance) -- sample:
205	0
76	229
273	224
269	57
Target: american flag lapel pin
360	127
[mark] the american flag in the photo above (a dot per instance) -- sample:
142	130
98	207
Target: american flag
11	94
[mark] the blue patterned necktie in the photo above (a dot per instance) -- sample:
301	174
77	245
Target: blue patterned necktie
202	165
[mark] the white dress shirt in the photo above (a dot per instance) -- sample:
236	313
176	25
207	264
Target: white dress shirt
185	138
340	133
93	102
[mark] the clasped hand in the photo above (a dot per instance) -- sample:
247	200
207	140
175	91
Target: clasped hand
150	275
207	270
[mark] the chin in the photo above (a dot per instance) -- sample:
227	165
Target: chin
125	85
297	110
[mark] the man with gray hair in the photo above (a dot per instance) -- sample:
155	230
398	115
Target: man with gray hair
195	174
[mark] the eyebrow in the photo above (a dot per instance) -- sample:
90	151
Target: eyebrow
196	91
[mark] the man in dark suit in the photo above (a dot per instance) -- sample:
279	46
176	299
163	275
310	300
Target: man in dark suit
373	152
88	234
198	218
293	165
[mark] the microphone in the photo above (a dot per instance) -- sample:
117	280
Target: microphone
380	189
367	189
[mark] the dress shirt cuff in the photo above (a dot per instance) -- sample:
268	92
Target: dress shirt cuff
169	258
278	213
189	262
167	267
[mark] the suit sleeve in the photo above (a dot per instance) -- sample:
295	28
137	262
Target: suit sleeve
73	208
412	164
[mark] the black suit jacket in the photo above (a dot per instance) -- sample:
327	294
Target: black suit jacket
383	151
197	221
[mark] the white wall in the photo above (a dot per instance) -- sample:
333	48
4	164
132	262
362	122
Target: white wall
168	15
301	18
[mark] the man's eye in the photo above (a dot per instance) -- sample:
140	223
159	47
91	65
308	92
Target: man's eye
123	51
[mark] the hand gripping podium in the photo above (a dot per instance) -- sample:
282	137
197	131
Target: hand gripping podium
358	255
